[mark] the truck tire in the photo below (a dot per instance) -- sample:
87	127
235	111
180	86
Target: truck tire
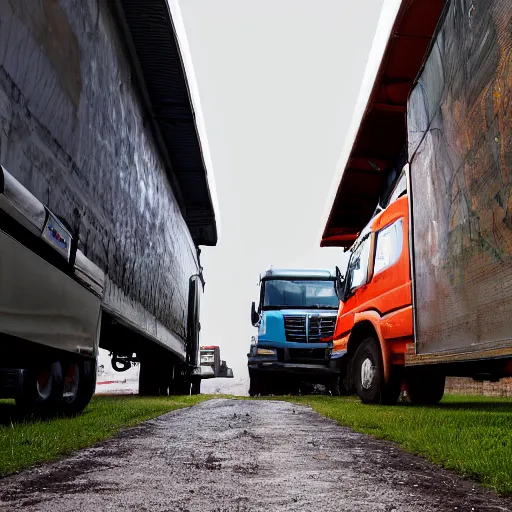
42	390
346	378
151	381
196	387
425	386
178	383
79	386
335	386
256	386
280	387
368	375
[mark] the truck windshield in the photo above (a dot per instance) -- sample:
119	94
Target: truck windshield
299	293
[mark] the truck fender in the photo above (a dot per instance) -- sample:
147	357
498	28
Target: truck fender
374	319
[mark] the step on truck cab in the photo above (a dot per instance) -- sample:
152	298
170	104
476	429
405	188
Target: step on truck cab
428	289
295	317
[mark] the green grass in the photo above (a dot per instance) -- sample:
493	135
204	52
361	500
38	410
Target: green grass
468	434
24	443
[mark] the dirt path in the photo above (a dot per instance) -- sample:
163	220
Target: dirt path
228	455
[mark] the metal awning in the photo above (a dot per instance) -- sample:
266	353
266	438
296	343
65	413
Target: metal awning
167	87
381	133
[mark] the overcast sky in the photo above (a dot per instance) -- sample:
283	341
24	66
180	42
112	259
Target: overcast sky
278	81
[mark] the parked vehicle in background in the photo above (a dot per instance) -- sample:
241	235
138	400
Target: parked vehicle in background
295	317
428	289
106	194
212	365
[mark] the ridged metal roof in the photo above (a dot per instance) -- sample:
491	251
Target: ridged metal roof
157	61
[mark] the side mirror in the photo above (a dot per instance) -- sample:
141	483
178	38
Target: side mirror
255	317
340	284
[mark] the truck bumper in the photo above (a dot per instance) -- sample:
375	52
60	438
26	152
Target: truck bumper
293	358
294	368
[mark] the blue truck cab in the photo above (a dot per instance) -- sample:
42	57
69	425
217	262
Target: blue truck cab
296	317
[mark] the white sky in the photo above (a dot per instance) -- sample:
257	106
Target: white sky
278	81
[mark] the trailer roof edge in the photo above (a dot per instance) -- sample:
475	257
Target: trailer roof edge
388	16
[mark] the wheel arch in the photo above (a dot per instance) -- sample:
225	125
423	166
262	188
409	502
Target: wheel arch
367	324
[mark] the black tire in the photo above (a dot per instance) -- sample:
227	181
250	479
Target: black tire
368	375
394	387
151	382
180	384
277	385
77	396
42	390
196	386
346	379
185	387
425	386
256	385
174	380
335	386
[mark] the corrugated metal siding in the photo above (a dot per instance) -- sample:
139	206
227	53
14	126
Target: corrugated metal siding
73	132
157	52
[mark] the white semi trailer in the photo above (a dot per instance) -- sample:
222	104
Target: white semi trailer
106	194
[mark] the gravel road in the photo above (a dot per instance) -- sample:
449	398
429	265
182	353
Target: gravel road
230	455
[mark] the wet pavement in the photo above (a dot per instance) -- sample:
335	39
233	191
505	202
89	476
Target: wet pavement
236	455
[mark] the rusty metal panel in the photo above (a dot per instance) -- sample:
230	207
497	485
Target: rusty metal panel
460	140
73	132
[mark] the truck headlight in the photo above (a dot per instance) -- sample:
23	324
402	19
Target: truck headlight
266	351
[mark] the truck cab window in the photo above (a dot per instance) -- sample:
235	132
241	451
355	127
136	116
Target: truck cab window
358	266
389	246
400	189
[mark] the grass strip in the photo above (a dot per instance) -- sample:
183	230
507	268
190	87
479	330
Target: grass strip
24	443
471	435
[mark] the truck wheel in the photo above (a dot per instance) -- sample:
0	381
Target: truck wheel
180	384
42	390
185	387
79	386
149	378
368	375
196	387
425	386
347	377
335	386
255	384
347	386
275	386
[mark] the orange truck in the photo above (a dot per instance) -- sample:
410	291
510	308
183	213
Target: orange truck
424	202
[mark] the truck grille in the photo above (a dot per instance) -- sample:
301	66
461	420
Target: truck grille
318	327
321	327
295	328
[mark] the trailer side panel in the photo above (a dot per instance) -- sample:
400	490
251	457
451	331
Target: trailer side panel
75	134
460	135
